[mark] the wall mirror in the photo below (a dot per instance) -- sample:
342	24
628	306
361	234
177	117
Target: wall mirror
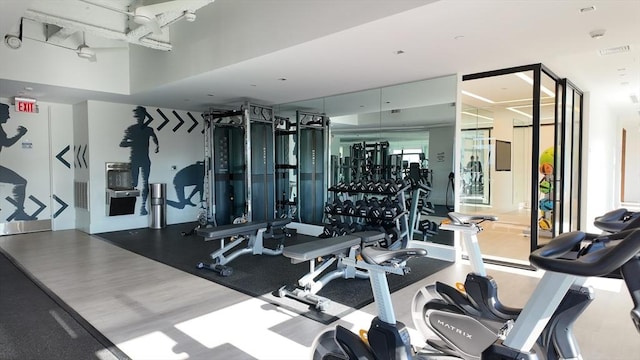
411	125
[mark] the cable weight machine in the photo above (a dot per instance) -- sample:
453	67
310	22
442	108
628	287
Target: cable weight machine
239	165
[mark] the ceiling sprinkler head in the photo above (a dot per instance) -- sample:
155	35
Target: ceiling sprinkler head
597	34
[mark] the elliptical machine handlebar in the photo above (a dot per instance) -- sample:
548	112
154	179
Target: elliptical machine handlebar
619	255
598	263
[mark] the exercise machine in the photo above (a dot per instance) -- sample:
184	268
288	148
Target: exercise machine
254	233
322	254
478	297
239	165
388	339
312	154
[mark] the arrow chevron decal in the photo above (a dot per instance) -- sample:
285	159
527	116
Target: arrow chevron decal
195	123
61	154
165	122
78	156
84	157
180	121
63	204
20	210
40	204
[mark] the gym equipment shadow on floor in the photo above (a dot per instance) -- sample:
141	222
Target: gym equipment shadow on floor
260	275
35	324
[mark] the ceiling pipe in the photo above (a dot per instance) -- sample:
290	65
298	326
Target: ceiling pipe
98	30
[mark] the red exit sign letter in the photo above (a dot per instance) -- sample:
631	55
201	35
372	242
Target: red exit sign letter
26	105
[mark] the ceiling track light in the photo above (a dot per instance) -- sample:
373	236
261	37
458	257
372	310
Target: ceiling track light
12	41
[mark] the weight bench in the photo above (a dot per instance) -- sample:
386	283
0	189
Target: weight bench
326	251
255	232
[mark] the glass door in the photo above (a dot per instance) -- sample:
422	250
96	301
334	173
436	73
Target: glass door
525	126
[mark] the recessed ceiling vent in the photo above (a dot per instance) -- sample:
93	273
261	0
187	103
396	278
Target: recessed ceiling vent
615	50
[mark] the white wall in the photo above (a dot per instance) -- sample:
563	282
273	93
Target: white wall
180	148
601	151
62	162
81	174
632	165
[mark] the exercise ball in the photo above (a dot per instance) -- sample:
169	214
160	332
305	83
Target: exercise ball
546	169
545	186
545	204
547	156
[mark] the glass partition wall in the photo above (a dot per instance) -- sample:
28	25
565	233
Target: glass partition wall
394	132
523	125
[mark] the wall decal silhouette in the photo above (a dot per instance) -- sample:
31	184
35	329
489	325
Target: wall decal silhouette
192	175
9	176
137	138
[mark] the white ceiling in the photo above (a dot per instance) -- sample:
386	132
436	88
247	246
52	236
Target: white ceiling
438	38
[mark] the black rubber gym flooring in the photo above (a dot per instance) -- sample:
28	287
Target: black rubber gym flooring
259	275
35	324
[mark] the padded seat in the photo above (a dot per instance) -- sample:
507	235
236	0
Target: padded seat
322	247
229	230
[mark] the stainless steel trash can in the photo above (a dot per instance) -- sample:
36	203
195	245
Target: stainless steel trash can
158	210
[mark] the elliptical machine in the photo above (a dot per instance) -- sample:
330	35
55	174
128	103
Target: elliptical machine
478	297
389	340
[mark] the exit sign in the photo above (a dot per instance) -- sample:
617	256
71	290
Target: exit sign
26	105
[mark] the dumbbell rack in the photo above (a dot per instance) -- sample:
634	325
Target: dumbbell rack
400	220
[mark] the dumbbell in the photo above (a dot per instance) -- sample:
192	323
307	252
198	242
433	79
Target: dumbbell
424	225
389	212
362	186
391	187
328	231
375	212
348	208
337	206
329	208
362	208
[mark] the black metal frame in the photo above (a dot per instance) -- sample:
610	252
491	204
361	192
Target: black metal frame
558	216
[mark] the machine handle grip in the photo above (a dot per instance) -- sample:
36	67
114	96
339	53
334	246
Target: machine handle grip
597	263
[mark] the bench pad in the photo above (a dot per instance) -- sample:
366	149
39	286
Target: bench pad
225	231
321	247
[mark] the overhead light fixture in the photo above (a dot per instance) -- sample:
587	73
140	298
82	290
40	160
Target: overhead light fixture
190	16
85	52
477	97
615	50
12	41
587	9
520	112
477	115
529	81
